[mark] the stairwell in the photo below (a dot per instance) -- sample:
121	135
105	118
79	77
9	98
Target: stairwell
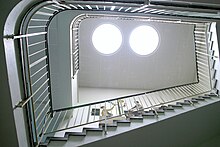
94	132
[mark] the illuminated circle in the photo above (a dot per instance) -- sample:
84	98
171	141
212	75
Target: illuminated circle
144	40
107	38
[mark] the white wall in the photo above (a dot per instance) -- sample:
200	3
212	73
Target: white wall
172	64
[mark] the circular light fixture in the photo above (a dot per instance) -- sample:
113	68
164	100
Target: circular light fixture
144	40
107	38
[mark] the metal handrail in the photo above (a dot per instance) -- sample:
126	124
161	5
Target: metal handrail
122	97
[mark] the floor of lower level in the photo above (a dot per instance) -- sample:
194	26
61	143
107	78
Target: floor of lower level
88	95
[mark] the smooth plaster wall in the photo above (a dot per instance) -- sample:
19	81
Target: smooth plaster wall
172	64
64	88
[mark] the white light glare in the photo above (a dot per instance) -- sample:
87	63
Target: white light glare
107	38
144	40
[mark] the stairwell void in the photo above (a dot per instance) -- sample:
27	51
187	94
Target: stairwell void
51	89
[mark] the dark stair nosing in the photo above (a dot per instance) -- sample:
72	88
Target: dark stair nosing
198	99
156	111
175	105
93	129
67	134
49	139
122	121
148	113
58	138
194	101
165	108
188	101
136	118
205	97
212	95
160	111
108	125
183	103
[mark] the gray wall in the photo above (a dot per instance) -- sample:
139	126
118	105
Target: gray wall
64	88
172	64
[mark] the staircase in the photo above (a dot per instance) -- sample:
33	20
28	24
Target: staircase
99	130
81	125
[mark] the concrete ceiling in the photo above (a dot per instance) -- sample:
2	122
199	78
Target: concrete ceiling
172	64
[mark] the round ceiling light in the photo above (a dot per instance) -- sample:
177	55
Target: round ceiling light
107	38
144	40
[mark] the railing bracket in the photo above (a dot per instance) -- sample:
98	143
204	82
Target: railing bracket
20	104
11	36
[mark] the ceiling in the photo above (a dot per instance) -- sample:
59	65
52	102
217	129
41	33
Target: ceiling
172	64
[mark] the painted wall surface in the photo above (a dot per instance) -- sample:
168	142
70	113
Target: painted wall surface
172	64
63	87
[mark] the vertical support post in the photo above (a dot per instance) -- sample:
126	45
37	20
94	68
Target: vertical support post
119	106
105	130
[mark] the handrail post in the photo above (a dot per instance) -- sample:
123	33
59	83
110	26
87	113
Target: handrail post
105	130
